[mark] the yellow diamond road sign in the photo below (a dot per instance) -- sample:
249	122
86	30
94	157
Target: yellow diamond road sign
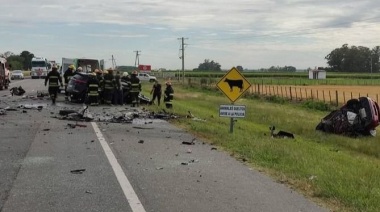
233	84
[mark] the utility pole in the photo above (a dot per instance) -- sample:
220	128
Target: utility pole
113	63
137	59
183	58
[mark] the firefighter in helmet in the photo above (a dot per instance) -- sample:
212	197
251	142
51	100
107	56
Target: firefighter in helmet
67	76
169	93
135	89
108	86
93	89
53	77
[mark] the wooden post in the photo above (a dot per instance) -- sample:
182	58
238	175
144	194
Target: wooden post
311	94
330	96
282	94
305	93
337	98
301	93
344	97
290	91
286	92
296	93
351	95
278	94
323	93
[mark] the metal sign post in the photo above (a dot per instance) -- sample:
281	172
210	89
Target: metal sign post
233	84
232	120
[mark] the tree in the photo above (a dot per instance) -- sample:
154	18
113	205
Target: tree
28	56
6	54
240	68
208	65
15	61
353	59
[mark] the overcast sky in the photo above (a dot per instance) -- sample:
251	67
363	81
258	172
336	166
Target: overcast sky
251	33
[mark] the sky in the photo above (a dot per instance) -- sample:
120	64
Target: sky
251	33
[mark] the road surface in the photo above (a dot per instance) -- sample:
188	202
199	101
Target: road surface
47	166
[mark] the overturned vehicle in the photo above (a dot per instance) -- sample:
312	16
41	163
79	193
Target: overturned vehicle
357	117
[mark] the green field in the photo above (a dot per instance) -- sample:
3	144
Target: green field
340	172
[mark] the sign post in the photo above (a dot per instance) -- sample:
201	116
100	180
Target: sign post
233	85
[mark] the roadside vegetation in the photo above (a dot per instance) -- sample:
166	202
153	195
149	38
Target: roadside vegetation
340	172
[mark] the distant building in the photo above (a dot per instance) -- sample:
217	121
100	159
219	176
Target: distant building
317	73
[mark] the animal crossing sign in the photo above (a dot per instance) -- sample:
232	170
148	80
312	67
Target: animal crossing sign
233	84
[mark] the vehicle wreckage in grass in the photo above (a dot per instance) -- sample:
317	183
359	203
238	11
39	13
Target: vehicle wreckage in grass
357	117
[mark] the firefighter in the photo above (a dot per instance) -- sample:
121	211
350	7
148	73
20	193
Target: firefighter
118	93
67	76
53	77
156	91
99	77
108	86
169	93
126	86
135	89
93	89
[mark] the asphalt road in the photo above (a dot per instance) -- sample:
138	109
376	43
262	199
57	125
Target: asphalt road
141	166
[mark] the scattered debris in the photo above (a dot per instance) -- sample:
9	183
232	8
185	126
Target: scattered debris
42	94
24	111
78	171
214	148
143	128
88	192
189	151
188	142
159	168
141	141
312	177
18	91
2	112
184	164
92	141
280	134
46	130
10	109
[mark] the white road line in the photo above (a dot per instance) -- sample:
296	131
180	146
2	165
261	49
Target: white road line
126	186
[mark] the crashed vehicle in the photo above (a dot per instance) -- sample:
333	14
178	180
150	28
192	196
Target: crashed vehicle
356	117
77	87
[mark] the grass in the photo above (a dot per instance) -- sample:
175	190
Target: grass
341	172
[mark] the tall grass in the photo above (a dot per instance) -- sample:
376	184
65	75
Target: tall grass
342	172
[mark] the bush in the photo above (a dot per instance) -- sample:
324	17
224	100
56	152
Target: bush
316	105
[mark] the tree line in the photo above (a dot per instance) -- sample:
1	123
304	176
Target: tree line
354	59
22	61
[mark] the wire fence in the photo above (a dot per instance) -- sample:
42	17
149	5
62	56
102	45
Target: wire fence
331	94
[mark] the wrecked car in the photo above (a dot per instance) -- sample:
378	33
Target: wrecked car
356	117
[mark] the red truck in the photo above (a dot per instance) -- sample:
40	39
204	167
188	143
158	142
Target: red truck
4	74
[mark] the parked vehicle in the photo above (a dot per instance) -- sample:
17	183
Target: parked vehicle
40	68
4	74
17	74
146	77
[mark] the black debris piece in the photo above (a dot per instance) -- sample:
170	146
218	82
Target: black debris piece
141	141
184	163
78	171
10	109
280	134
2	112
18	91
46	130
214	148
188	142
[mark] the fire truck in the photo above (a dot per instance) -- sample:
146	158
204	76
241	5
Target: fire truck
4	74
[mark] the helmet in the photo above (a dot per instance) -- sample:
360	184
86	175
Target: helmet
80	69
71	66
125	74
168	83
134	72
105	72
54	68
96	71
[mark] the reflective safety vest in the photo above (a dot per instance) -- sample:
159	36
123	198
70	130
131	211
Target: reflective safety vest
135	87
108	84
93	90
53	81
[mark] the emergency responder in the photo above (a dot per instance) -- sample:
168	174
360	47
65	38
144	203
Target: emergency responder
79	70
92	88
126	86
99	77
108	86
135	89
53	77
118	93
67	76
169	92
156	91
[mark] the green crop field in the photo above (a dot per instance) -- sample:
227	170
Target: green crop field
339	172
